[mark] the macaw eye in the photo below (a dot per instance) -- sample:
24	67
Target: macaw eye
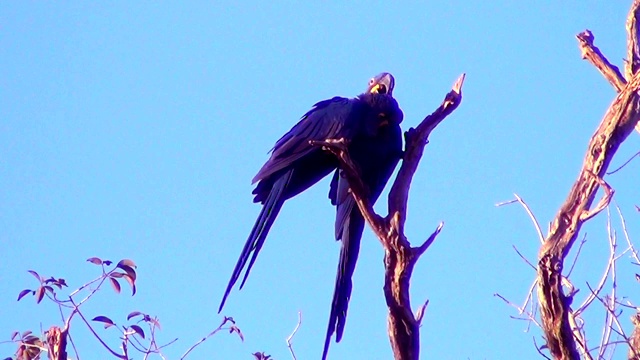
371	81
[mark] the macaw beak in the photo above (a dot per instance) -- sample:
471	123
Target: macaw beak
377	89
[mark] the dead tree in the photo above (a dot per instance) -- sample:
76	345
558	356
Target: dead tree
618	122
399	256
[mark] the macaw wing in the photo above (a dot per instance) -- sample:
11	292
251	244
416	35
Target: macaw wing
328	119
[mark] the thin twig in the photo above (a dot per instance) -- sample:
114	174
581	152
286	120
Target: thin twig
523	258
538	349
529	212
614	317
290	337
96	334
575	260
579	336
220	327
626	235
520	310
530	296
625	164
603	280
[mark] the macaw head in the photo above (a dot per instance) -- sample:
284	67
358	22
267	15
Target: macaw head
382	83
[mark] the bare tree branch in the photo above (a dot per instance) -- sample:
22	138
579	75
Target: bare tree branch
591	53
400	257
416	139
611	72
633	50
618	123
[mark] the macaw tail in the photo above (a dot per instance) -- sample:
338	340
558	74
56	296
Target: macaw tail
351	236
258	235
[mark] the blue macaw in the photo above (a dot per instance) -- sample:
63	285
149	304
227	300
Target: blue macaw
370	124
376	157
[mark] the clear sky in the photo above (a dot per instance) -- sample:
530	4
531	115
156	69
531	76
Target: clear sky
132	130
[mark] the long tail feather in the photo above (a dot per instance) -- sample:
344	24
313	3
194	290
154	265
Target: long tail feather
351	236
258	234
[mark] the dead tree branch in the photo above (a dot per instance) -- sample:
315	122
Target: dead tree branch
591	53
633	49
618	122
57	343
611	72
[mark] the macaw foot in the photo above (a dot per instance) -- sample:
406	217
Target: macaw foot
332	145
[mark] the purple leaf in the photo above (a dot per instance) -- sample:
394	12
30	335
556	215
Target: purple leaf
133	314
115	284
23	293
126	262
103	319
39	294
138	330
36	275
129	270
235	329
95	260
131	282
56	282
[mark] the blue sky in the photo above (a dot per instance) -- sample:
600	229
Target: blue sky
132	130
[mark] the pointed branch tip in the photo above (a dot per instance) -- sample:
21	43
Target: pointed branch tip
457	86
422	248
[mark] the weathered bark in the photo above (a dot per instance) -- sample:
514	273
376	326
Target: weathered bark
400	257
618	122
634	340
57	343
